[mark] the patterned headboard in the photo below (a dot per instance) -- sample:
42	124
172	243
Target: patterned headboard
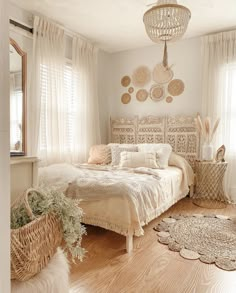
123	130
179	131
150	129
182	135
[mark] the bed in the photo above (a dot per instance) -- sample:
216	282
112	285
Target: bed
125	199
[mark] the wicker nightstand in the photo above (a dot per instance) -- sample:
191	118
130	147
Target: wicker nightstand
209	191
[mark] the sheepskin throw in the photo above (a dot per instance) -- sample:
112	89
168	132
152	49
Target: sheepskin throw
54	278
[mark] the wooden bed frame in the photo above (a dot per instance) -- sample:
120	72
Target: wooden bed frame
179	131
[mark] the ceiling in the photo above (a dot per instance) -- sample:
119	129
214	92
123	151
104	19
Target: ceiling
117	25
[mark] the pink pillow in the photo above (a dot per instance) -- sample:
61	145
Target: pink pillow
100	154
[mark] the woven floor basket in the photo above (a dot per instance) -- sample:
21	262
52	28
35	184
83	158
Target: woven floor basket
33	245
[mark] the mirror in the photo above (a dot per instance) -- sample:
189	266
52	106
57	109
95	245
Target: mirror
18	59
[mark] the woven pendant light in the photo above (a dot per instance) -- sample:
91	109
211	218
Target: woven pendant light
166	21
165	57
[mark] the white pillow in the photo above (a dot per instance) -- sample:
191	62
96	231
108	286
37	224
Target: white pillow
138	159
163	151
116	150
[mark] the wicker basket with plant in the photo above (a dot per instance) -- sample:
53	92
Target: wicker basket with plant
39	222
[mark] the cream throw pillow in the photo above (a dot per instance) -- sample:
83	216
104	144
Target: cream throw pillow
116	150
163	151
100	154
138	159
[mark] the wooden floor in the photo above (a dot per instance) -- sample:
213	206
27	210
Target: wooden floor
151	267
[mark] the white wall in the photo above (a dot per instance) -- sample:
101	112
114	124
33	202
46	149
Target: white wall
186	57
22	37
18	14
4	151
104	88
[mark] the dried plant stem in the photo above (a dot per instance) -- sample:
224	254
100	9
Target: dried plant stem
207	124
214	129
205	128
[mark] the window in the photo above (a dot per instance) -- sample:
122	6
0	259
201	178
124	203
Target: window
43	117
70	105
230	103
63	109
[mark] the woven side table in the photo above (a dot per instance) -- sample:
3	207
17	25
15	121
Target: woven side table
209	184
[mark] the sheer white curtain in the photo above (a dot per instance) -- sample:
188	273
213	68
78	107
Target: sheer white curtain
219	96
46	123
84	72
64	104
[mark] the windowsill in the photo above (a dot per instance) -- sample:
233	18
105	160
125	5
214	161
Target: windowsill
23	159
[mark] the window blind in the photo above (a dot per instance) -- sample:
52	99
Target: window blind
67	106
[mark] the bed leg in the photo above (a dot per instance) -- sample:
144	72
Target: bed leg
191	190
129	243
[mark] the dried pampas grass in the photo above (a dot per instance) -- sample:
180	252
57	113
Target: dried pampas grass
215	128
207	124
205	128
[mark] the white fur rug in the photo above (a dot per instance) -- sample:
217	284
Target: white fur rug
54	278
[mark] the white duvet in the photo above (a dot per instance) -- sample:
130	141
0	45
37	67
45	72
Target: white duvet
121	199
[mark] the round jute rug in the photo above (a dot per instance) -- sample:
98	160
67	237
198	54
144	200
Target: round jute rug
209	238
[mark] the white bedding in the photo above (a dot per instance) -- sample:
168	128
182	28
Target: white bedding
121	199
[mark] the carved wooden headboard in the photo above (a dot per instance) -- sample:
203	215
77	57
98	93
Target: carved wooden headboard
179	131
124	130
150	129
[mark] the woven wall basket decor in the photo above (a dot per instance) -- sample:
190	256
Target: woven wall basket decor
176	87
125	98
157	93
142	95
131	90
141	76
169	99
125	81
161	74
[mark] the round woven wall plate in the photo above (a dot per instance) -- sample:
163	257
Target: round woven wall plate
169	99
141	76
157	93
162	75
131	90
142	95
125	81
126	98
176	87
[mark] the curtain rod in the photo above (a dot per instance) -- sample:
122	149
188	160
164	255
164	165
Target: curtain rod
30	30
68	32
22	26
